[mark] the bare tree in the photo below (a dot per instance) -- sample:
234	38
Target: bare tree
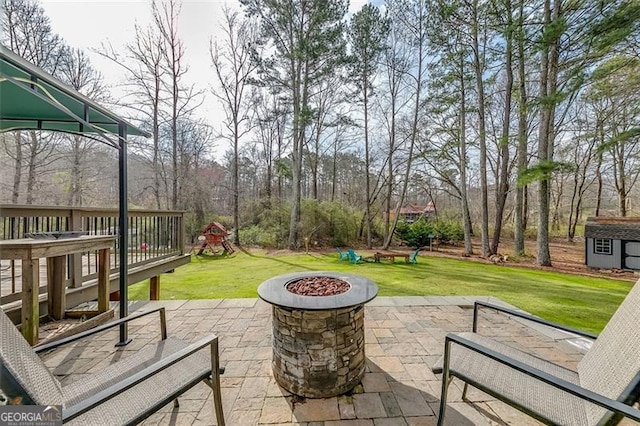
143	60
77	71
391	102
412	16
270	120
616	102
326	100
195	140
26	30
181	96
367	33
234	68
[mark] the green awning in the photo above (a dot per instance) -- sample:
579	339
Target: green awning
31	99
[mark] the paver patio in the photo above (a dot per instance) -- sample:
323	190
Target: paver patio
403	336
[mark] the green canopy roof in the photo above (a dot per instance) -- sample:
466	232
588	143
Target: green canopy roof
31	99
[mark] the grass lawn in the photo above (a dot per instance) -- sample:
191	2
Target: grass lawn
582	302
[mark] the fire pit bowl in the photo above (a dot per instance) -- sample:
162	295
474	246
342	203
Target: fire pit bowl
318	335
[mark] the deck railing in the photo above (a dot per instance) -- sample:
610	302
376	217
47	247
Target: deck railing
153	236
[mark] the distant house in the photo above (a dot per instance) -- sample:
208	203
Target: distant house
612	243
412	212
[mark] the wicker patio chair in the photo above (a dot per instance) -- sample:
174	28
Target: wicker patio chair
125	392
602	391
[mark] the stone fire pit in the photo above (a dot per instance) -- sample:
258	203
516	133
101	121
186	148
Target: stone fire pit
318	336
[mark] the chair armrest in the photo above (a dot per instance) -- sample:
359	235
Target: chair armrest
576	390
100	328
478	305
114	390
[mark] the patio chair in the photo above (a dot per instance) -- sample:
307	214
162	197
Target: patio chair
413	257
353	257
125	392
342	255
601	391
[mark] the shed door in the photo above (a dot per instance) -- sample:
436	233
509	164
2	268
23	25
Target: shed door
631	257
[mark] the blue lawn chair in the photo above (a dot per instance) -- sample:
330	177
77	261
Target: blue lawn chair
342	255
353	257
413	258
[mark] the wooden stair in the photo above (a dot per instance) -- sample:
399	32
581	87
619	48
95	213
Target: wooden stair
228	247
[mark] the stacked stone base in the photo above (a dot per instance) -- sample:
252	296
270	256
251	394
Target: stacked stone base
318	354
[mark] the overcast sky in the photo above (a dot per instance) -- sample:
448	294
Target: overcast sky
88	23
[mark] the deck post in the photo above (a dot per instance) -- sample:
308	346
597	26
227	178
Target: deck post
123	224
154	288
181	233
56	291
75	259
30	305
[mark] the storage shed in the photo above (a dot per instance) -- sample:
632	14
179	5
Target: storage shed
612	243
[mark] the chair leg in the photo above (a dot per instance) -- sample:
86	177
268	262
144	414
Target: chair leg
217	401
446	380
443	399
464	392
215	383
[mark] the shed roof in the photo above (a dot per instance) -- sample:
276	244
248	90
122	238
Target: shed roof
416	209
617	228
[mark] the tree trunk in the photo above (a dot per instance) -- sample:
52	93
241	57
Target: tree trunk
75	191
156	142
464	193
478	68
334	169
387	216
599	182
300	101
503	185
520	219
580	186
32	163
174	145
365	84
620	177
548	75
17	174
388	229
420	45
235	188
315	158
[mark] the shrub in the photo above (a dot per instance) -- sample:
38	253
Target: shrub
256	236
449	230
328	223
324	223
419	233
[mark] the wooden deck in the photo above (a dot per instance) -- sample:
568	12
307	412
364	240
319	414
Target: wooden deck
156	246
